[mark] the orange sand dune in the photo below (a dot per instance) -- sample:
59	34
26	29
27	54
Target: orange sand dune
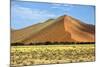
62	29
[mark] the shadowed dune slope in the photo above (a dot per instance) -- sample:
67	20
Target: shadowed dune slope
62	29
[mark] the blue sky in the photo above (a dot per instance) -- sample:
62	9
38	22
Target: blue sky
24	14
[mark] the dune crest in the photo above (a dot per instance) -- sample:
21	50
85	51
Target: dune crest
62	29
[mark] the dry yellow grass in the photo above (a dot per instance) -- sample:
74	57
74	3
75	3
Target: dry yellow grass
49	54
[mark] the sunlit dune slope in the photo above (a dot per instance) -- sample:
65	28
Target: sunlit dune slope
62	29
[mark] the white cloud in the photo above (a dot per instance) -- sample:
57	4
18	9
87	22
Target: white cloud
60	4
22	12
23	16
29	13
63	7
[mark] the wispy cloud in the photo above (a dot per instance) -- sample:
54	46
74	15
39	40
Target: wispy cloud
64	7
29	13
21	12
25	16
59	4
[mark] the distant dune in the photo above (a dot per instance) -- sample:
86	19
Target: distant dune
63	29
